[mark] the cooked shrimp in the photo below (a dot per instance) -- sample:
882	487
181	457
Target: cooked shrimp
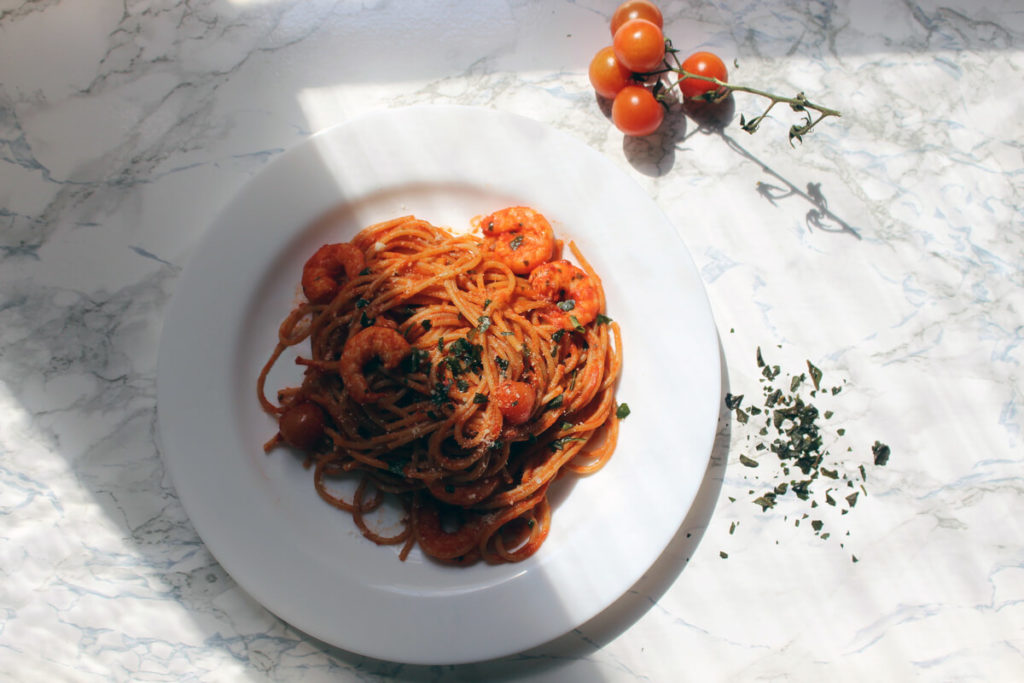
574	291
382	343
322	272
435	540
519	237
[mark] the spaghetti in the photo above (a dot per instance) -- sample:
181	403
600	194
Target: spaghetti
461	374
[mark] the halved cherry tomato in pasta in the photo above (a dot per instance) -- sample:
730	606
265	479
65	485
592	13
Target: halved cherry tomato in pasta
636	112
302	425
515	401
607	74
636	9
702	64
639	45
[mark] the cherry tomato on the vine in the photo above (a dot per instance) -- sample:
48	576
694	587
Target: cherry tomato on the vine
607	75
636	112
636	9
702	64
639	45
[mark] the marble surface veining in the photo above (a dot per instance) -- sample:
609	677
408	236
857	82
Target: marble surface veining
887	249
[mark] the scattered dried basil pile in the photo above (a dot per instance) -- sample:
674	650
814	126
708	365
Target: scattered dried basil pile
791	437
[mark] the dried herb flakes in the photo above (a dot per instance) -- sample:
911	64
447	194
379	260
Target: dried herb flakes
791	428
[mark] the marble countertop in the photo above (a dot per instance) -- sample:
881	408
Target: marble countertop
886	250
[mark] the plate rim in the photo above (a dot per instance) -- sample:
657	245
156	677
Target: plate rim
215	231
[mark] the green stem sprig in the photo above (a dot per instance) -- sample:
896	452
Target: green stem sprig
799	103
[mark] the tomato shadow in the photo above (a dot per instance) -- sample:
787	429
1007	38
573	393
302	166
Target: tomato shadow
655	156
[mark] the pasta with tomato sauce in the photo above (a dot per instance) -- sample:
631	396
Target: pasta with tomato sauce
460	373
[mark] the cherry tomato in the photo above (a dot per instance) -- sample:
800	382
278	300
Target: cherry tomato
515	401
636	9
302	425
606	74
703	64
639	45
635	111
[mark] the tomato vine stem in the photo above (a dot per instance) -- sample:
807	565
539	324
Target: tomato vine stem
799	103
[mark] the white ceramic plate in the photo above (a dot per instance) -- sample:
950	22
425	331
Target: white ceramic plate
260	515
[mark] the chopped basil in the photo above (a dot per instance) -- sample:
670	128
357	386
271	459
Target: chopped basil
622	412
559	444
485	322
515	242
881	453
417	360
567	305
602	319
464	356
364	271
555	402
815	375
790	429
439	393
426	324
479	398
575	323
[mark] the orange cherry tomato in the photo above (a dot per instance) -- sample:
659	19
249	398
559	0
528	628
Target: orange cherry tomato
302	425
639	45
515	401
607	75
702	64
636	112
636	9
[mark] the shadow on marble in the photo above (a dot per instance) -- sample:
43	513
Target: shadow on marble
818	216
655	154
